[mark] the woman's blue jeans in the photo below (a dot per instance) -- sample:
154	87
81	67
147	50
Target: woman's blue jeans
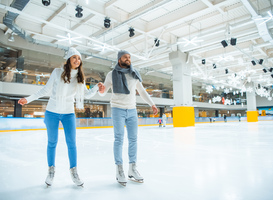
52	124
122	117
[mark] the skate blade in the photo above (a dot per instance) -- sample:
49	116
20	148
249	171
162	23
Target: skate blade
47	185
122	183
136	180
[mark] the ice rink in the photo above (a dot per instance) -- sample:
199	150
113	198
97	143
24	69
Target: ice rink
211	161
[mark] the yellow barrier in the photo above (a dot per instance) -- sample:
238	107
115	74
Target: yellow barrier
252	116
183	116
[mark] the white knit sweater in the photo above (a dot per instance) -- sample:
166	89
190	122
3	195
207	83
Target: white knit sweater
126	101
62	95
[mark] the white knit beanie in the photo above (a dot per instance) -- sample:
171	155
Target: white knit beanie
71	52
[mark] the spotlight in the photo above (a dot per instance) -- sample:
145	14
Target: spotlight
272	75
271	69
224	43
261	61
226	70
107	22
79	11
253	62
46	2
131	30
157	42
264	70
233	41
11	38
214	66
203	61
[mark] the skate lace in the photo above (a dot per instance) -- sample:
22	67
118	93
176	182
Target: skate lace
121	172
51	172
135	171
75	175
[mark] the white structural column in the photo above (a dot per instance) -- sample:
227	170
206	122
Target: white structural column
182	85
183	111
252	114
107	110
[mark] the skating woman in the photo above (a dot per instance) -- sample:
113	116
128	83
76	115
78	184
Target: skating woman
64	86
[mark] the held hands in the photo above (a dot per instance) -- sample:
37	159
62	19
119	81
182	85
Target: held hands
22	101
155	110
101	87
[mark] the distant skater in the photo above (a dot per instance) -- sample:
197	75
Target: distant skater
159	122
164	119
64	85
225	118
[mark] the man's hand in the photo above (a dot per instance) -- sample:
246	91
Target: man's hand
155	110
22	101
101	87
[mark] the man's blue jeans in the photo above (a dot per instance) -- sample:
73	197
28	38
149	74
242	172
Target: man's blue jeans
122	117
52	124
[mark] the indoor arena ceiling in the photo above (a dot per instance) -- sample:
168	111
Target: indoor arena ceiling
200	28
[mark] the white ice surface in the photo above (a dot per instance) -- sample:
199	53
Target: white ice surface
218	161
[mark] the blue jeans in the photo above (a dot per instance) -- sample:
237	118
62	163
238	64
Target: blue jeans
52	124
122	117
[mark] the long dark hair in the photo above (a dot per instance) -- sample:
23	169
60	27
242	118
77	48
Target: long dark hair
66	75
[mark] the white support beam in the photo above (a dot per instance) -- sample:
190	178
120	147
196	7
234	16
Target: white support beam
109	4
55	14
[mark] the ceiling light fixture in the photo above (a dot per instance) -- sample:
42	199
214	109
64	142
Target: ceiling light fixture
131	32
46	2
224	43
214	66
233	41
253	62
79	11
264	70
271	69
226	71
203	61
107	22
157	42
261	61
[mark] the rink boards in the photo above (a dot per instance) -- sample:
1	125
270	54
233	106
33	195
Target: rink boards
38	123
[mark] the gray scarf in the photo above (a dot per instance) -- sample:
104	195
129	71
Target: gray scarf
119	80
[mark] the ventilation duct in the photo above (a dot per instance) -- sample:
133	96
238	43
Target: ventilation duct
262	28
10	18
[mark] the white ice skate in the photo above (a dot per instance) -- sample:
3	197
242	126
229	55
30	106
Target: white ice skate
75	177
133	174
120	175
50	176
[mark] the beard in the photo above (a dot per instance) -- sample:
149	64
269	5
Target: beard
124	64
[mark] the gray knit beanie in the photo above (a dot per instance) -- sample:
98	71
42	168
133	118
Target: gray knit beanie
122	52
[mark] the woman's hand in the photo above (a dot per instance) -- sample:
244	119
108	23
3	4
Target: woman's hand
22	101
155	110
101	87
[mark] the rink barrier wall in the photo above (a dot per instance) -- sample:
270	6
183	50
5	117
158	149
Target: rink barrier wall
25	124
